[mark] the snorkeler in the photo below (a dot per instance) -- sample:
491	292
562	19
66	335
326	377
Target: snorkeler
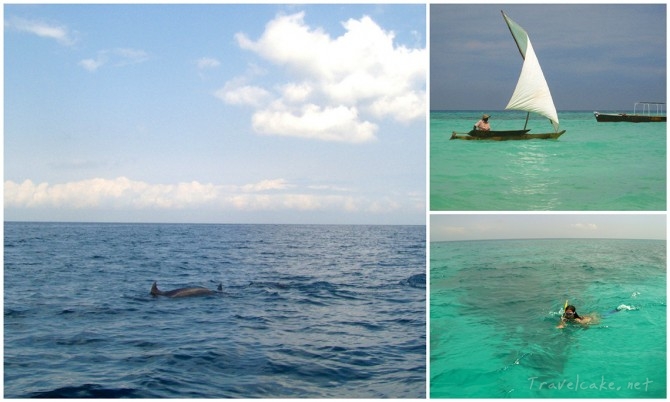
571	315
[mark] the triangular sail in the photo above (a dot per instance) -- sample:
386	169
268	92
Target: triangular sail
532	92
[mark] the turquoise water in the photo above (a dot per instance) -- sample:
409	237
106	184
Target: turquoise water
592	167
494	306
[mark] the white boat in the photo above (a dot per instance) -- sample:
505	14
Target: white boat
531	95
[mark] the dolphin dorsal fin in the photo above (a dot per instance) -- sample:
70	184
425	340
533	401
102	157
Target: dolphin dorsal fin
154	289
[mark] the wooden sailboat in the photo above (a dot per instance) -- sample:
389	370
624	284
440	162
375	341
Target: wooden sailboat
531	95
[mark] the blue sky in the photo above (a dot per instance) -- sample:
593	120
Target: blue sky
215	113
594	57
543	226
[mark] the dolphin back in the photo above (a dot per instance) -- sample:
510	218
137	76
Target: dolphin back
187	292
184	292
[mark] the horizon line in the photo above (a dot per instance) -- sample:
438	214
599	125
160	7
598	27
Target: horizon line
207	223
517	111
549	238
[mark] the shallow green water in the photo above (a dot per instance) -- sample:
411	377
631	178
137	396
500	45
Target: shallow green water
592	167
494	306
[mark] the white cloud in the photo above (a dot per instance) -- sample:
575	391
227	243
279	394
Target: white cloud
118	57
311	121
293	92
237	93
403	107
343	83
325	187
265	185
585	226
123	193
92	64
60	33
207	62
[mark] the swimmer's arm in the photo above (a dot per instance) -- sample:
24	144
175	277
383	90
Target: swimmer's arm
561	324
584	320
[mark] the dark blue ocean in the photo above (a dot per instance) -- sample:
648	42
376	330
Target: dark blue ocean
306	311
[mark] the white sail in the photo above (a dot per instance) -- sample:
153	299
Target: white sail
532	92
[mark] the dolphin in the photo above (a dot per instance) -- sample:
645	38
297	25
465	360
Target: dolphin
184	292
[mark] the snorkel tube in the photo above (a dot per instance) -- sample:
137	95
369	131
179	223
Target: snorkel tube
561	323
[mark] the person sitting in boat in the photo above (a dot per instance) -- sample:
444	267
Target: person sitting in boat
483	124
570	316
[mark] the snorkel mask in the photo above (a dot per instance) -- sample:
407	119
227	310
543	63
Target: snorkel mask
567	314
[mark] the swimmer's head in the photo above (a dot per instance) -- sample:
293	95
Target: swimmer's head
571	312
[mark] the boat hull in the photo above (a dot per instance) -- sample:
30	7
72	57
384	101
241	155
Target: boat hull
631	118
504	135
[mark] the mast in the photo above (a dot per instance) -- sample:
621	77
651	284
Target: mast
526	123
